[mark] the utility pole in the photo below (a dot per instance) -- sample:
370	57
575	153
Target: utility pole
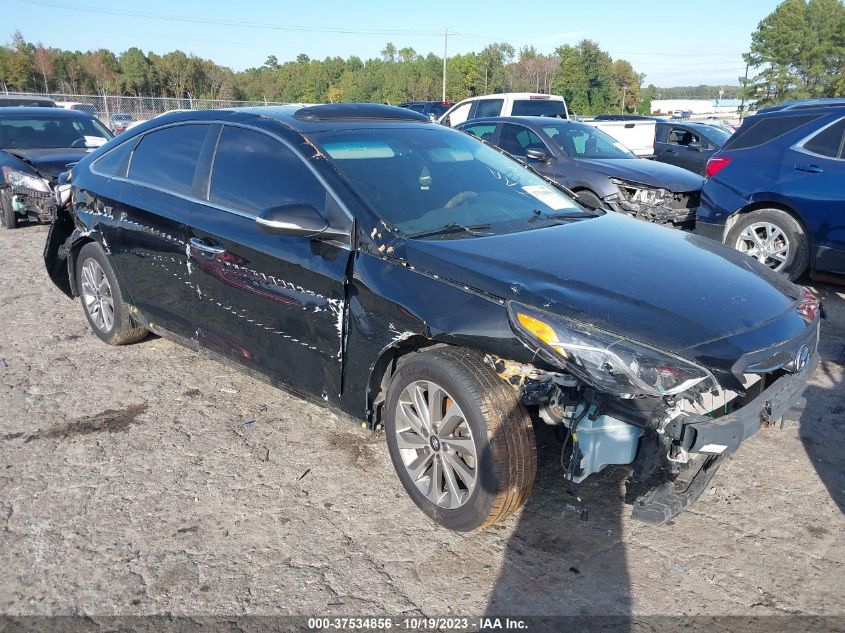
744	90
624	88
445	49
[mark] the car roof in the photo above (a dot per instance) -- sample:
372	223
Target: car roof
312	118
18	111
804	104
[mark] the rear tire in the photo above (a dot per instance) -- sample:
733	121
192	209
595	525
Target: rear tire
481	468
10	219
773	237
102	301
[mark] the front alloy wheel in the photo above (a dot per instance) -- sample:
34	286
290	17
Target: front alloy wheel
459	437
436	444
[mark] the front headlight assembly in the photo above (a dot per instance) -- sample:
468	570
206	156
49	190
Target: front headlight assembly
607	361
15	178
641	194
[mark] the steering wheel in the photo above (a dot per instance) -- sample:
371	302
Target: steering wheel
80	142
460	198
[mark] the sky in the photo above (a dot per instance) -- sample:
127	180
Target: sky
673	43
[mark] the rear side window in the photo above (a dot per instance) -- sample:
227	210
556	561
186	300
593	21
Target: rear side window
253	171
538	107
829	142
766	129
114	162
488	107
168	158
483	131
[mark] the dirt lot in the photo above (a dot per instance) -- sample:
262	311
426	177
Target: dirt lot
147	479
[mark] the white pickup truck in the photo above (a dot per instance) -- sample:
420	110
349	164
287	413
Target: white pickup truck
634	134
505	104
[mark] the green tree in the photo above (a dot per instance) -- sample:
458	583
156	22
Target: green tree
798	51
136	70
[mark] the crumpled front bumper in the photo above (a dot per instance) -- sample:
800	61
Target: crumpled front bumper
700	434
31	203
710	440
678	218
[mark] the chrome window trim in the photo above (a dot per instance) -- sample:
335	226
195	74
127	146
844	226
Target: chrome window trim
799	146
207	202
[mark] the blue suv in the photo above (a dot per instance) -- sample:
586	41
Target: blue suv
776	190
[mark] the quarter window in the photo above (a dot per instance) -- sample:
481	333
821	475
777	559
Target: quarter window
829	142
115	161
253	171
167	158
484	132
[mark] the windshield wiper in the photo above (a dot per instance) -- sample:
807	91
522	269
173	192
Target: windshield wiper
453	227
559	217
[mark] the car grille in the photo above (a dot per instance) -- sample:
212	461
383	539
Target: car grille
688	200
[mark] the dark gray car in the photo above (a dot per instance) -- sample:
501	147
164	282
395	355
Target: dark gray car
688	145
598	168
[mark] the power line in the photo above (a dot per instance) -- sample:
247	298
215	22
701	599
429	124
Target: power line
220	22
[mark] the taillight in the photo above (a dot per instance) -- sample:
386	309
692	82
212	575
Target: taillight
716	164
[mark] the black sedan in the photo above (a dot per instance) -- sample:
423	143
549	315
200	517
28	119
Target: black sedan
405	274
598	168
687	144
36	144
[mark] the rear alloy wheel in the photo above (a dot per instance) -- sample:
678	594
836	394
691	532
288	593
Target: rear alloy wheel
774	238
102	301
461	441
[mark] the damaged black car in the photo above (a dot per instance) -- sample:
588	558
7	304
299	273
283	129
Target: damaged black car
36	145
430	285
600	170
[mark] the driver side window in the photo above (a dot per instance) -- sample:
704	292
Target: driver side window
253	171
515	139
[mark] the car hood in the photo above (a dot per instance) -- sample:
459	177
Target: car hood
49	163
647	172
660	286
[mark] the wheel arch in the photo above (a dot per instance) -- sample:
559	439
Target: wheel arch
758	205
383	369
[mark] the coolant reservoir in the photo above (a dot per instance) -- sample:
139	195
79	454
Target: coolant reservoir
604	441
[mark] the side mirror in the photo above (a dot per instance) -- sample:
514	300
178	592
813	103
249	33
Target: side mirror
297	219
536	154
696	147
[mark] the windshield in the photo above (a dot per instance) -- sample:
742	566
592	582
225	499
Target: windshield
538	107
718	134
580	140
422	178
46	132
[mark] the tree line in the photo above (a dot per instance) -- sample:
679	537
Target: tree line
586	75
797	51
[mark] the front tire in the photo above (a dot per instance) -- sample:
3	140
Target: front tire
102	301
459	438
774	238
589	199
10	219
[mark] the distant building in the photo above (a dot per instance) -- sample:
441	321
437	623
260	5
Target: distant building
724	107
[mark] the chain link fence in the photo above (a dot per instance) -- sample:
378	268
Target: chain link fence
117	111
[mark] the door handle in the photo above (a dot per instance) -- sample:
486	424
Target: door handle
670	151
810	169
206	248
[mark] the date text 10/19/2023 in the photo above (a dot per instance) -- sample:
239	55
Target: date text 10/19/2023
415	624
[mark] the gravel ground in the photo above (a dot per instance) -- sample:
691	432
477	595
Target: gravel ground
148	479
